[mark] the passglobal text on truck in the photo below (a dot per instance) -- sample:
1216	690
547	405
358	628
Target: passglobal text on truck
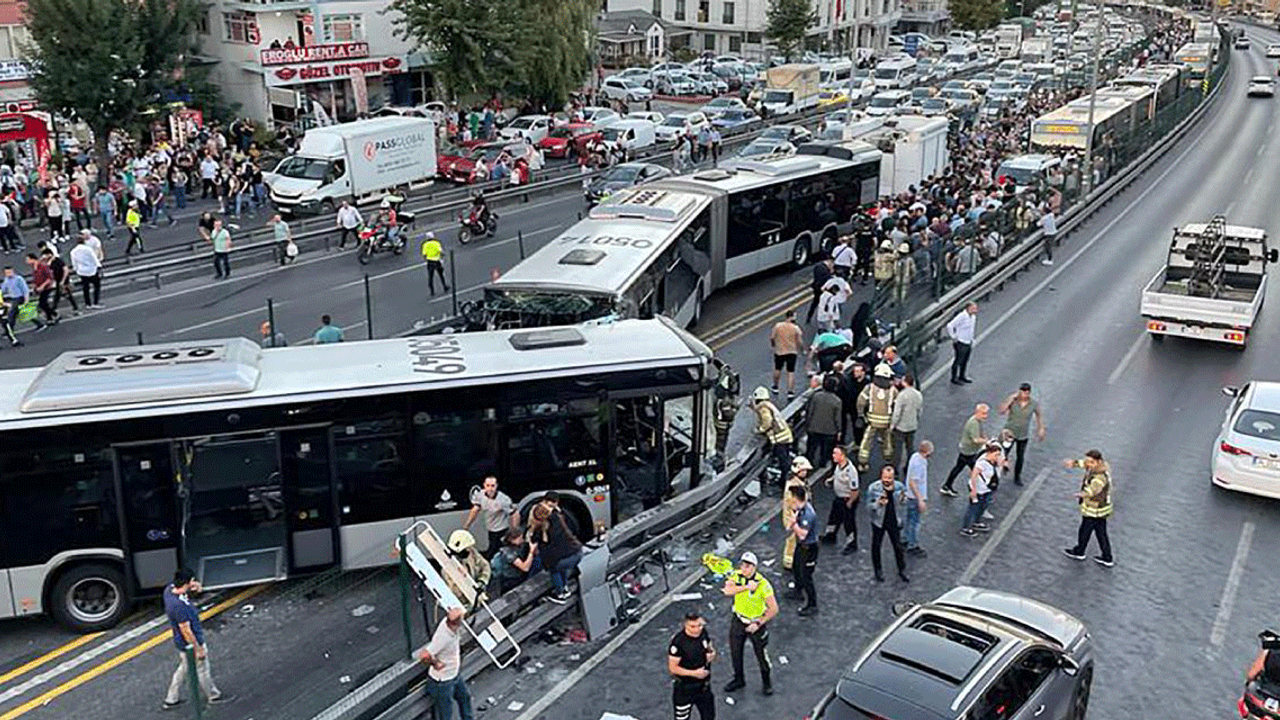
359	161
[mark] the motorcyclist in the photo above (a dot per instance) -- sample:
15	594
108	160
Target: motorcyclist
386	219
480	210
1266	666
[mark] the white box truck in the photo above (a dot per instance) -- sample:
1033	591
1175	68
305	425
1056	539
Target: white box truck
1009	40
1212	285
791	89
359	161
914	147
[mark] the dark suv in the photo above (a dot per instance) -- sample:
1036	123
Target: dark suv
972	654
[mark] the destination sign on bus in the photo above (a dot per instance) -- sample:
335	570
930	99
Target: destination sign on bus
1059	129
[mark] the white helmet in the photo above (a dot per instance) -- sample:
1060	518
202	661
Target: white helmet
760	393
431	235
461	540
884	371
386	203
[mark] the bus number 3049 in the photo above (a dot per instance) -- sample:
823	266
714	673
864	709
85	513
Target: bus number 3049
442	356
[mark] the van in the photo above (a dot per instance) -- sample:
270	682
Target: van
888	102
634	135
961	57
1028	171
895	73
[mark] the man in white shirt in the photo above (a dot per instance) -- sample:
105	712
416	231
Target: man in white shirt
88	267
1049	224
845	257
499	513
960	330
349	222
444	656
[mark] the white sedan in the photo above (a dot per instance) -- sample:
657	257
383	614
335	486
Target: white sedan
1262	86
1246	455
1273	50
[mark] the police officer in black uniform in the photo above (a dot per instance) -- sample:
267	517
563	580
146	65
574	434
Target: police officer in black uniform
689	662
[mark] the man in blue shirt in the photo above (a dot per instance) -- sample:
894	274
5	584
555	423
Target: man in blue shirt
805	529
184	620
15	292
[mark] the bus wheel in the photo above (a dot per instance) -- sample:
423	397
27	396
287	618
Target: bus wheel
800	254
88	598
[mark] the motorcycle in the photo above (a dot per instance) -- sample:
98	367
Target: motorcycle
377	239
1261	697
472	226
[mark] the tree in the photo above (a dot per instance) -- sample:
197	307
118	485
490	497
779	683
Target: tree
540	49
106	62
788	24
977	14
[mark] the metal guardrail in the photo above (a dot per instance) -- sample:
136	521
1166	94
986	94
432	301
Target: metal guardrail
927	325
397	692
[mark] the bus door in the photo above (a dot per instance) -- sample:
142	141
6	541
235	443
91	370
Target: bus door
307	475
234	530
148	490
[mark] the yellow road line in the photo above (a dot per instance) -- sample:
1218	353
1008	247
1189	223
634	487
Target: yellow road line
719	345
28	667
773	310
123	657
766	303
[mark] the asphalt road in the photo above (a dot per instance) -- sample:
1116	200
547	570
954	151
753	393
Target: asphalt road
1175	621
1173	631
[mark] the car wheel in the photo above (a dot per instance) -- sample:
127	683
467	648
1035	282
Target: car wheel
1080	703
88	598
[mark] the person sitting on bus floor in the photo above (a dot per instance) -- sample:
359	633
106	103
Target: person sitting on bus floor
462	545
515	561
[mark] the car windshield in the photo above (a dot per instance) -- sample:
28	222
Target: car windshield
1020	175
721	102
881	101
777	96
561	132
922	93
781	132
303	168
1259	424
523	123
861	74
674	121
935	104
623	173
886	73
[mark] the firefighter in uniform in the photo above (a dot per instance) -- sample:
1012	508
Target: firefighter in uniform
462	545
753	607
799	477
875	406
726	410
774	427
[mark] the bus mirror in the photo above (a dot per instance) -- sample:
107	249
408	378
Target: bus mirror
1273	255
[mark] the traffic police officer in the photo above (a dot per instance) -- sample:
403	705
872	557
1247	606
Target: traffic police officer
1095	507
689	659
753	607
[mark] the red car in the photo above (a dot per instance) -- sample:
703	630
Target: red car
568	139
451	154
461	169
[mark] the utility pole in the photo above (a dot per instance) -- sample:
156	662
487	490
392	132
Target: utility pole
1093	100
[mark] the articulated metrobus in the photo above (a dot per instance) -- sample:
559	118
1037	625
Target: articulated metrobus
1068	127
664	247
1197	57
248	465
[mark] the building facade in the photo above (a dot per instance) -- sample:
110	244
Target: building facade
276	58
931	17
737	27
628	36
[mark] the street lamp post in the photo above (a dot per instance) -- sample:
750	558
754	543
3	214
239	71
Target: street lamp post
1093	100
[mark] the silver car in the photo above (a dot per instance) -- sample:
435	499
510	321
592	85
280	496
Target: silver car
972	653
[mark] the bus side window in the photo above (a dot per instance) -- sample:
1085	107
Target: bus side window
455	449
371	463
653	439
57	494
551	438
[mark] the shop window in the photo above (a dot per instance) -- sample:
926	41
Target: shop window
708	42
728	15
343	28
12	39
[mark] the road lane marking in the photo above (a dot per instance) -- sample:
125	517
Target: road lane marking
750	312
1128	358
989	547
580	672
942	369
1225	606
763	320
131	653
55	653
218	321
